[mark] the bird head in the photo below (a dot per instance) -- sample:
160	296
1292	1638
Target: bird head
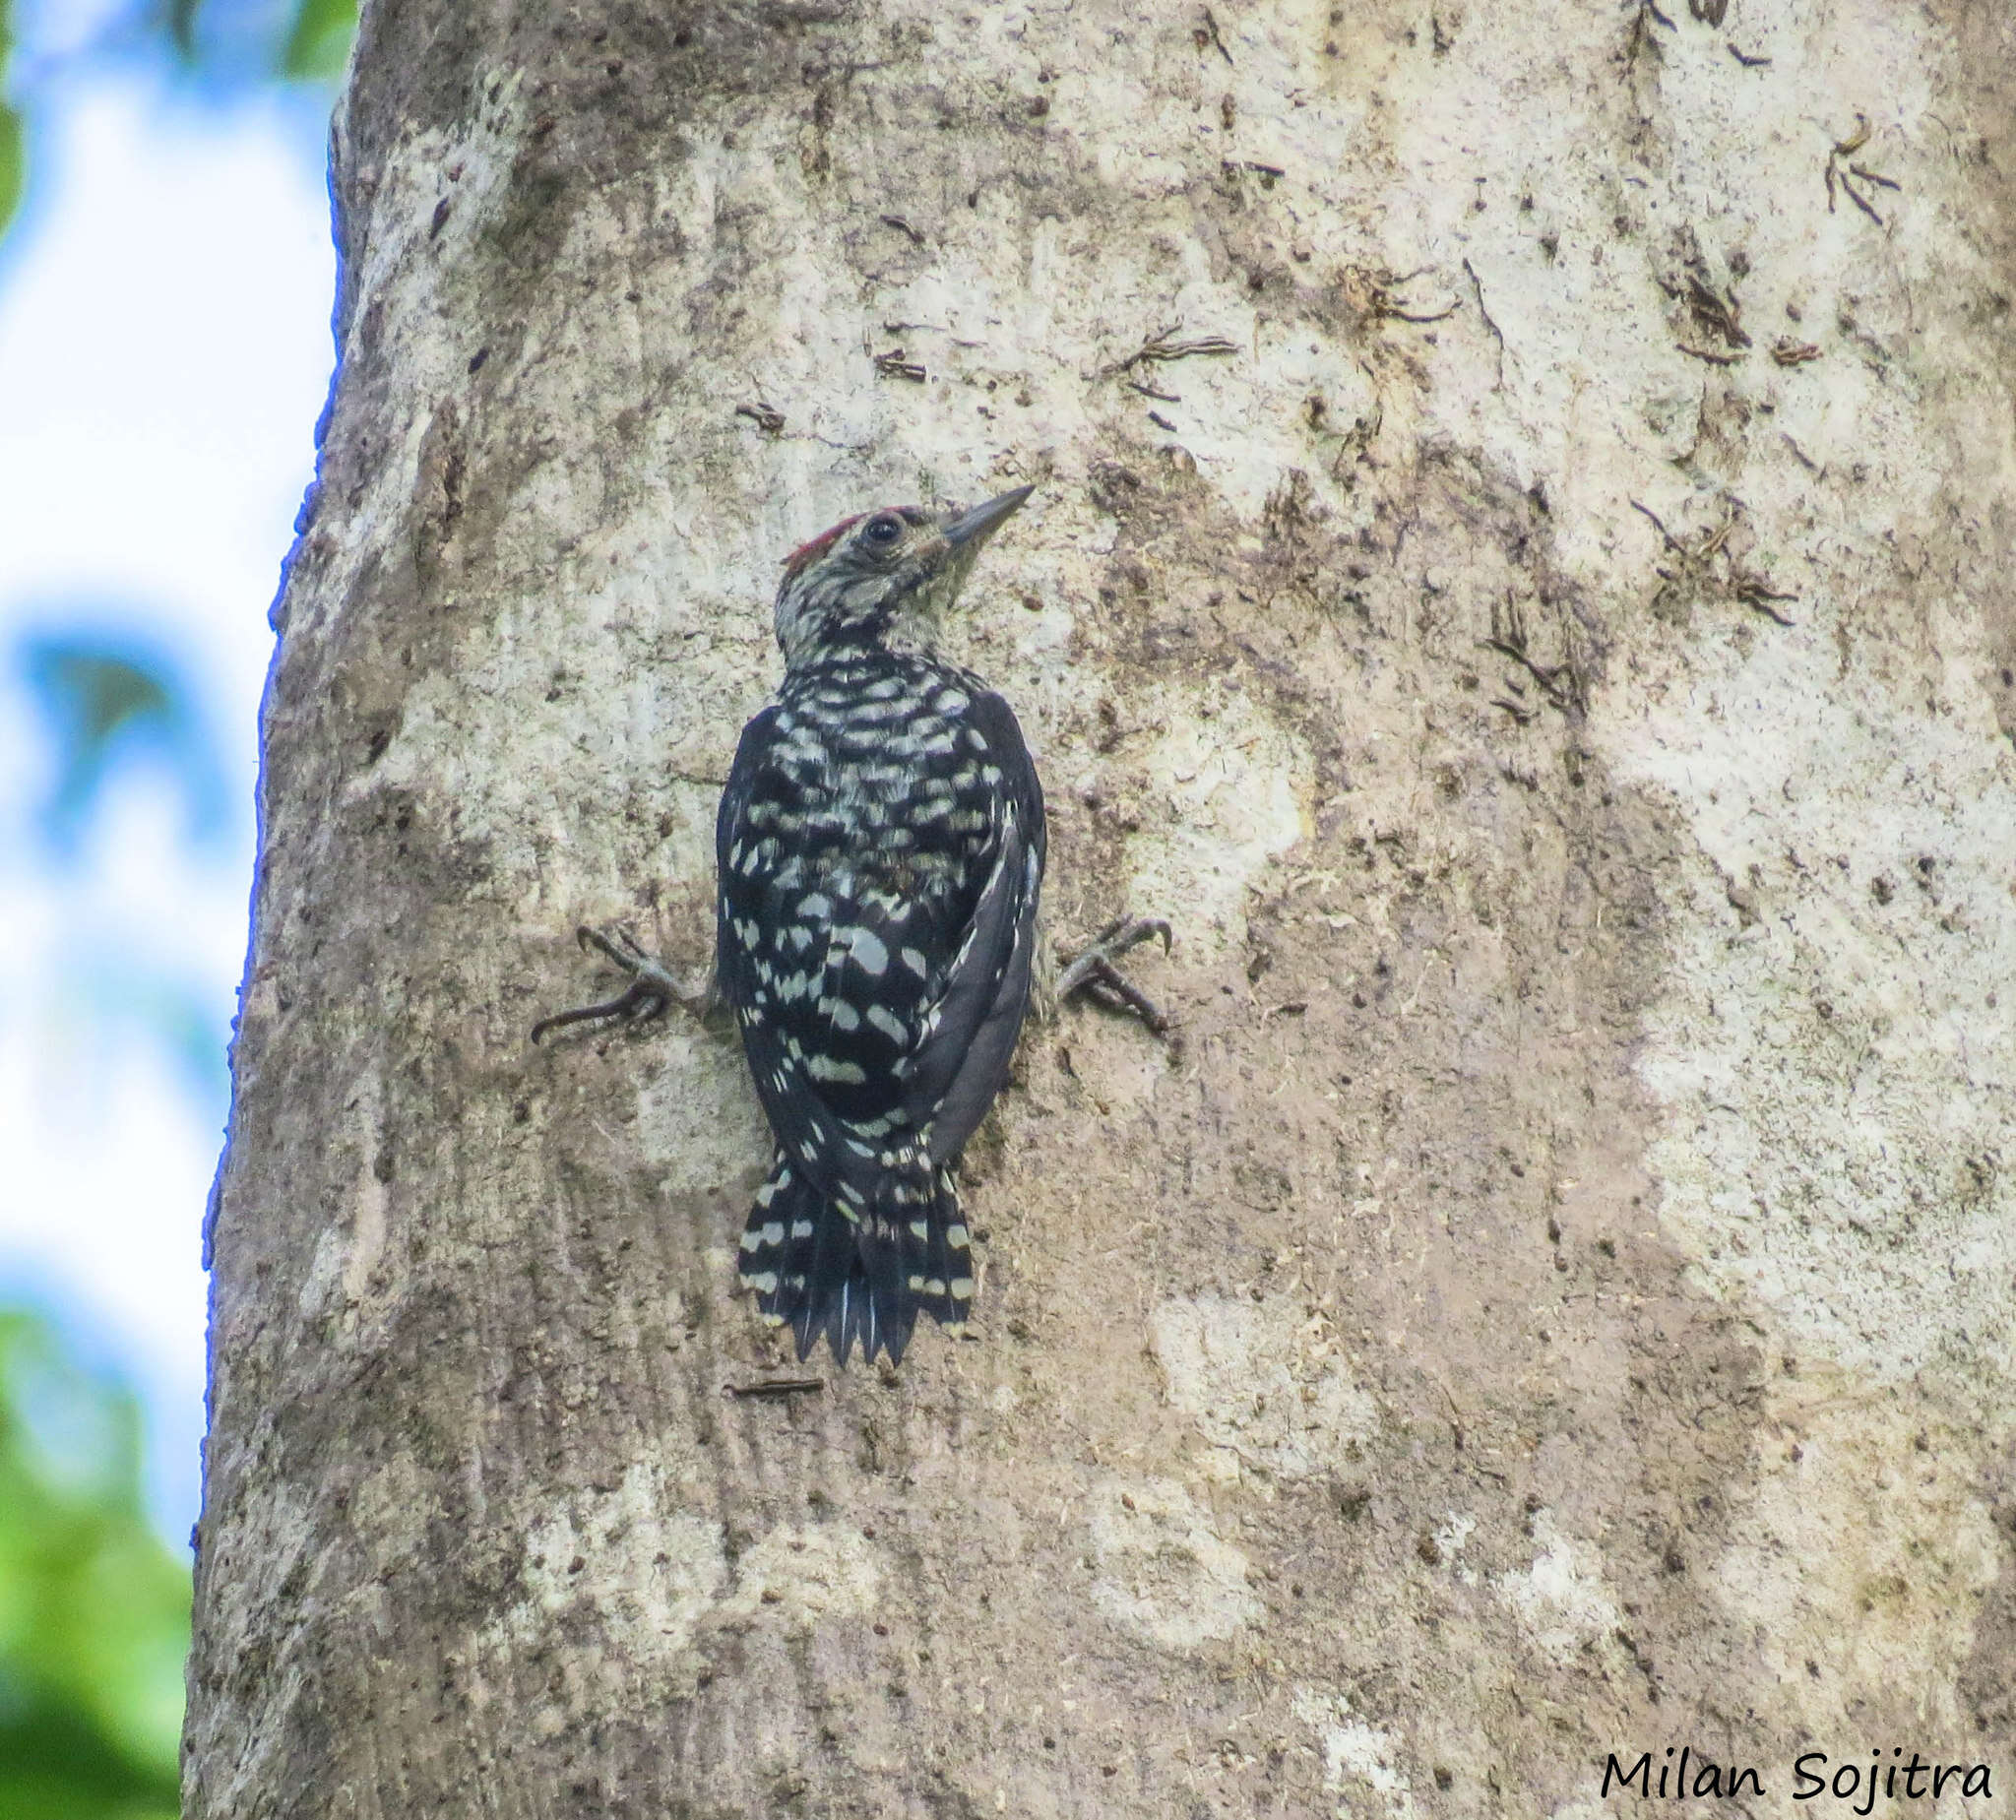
884	579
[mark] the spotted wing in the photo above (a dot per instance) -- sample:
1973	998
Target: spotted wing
759	832
881	974
832	922
979	1000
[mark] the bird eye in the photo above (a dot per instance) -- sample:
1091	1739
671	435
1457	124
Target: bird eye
884	530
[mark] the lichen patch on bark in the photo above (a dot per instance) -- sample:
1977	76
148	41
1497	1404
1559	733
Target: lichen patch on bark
1264	1392
1163	1572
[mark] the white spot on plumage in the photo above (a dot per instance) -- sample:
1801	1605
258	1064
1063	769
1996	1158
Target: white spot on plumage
831	1068
801	1228
913	959
886	1020
867	953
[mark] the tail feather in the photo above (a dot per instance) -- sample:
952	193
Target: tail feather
948	1282
823	1271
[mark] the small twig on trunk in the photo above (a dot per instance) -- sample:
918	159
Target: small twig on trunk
1754	592
1163	346
774	1388
1843	172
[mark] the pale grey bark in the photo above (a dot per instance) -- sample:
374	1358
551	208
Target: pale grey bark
1519	579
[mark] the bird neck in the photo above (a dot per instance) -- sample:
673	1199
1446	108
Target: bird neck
865	640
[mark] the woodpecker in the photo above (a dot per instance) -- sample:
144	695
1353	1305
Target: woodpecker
880	864
879	857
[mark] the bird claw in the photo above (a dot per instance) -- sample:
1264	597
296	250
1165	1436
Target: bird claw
652	990
1097	974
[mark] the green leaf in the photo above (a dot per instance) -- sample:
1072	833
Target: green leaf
93	1608
320	41
13	163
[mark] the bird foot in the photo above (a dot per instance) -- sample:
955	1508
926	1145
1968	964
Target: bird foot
651	993
1096	972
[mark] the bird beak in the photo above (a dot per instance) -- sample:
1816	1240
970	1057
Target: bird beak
979	525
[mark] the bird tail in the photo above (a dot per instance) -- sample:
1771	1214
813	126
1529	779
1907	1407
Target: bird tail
823	1267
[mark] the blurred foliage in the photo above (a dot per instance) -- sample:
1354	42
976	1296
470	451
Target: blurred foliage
320	40
105	701
256	40
93	1607
225	43
109	704
11	148
13	158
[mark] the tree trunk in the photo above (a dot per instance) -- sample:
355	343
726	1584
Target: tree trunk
1520	576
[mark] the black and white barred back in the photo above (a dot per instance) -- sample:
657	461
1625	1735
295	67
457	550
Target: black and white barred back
880	848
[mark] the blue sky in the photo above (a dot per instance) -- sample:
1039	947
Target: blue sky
163	352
